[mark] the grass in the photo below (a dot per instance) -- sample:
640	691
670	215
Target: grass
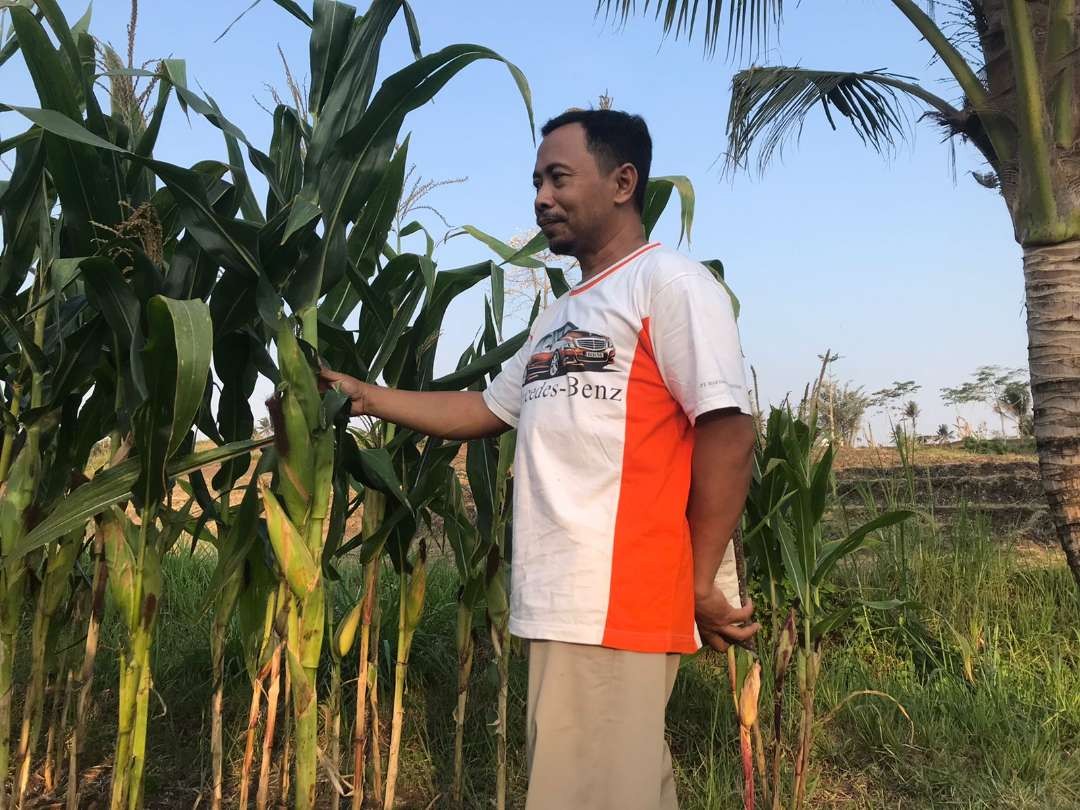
986	665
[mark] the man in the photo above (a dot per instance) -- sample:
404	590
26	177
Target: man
633	460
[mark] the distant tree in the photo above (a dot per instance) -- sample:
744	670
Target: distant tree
887	398
944	434
841	409
263	428
988	386
1014	401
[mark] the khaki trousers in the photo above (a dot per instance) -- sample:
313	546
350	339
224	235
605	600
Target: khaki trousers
595	728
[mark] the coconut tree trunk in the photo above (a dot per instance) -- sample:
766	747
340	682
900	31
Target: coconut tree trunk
1052	287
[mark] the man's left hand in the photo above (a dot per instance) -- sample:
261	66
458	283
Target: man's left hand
720	624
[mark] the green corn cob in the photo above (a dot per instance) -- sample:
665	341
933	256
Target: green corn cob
299	568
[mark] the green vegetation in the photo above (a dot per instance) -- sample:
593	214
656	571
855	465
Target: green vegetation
181	620
991	683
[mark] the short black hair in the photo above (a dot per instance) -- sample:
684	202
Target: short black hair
614	138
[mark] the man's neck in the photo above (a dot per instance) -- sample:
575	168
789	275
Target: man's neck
620	244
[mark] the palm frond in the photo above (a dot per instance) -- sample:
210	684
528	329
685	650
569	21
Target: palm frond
769	106
964	23
748	22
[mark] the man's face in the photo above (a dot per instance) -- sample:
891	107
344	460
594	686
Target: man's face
575	199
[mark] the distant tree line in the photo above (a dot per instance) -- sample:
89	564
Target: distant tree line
843	406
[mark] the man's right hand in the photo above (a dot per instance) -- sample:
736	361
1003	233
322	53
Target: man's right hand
351	387
446	414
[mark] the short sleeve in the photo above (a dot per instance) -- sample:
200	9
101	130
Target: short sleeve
696	344
503	395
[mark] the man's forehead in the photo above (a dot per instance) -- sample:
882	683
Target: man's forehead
565	145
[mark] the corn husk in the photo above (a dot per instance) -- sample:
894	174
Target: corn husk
345	637
299	377
748	698
785	647
300	570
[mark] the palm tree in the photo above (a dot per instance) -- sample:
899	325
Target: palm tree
1018	91
944	434
911	412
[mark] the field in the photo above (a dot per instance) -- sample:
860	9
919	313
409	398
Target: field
977	685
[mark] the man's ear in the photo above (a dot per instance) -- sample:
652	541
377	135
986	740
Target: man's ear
626	180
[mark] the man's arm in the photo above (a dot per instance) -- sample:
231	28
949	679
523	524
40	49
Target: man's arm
445	414
720	478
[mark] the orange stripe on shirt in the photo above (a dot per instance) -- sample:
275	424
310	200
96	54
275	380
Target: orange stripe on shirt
644	249
651	602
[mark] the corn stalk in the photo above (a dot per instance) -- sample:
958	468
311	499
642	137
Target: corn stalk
410	607
86	672
53	591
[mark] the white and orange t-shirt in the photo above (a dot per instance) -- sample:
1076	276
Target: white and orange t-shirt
604	394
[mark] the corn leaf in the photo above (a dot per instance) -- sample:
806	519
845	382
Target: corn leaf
115	485
557	280
373	467
294	8
351	86
819	486
286	160
518	257
413	28
480	366
11	47
840	616
176	360
354	168
230	242
833	552
22	210
236	545
662	187
87	191
330	31
235	421
34	356
369	234
448	285
794	563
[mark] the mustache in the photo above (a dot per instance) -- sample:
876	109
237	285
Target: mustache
548	220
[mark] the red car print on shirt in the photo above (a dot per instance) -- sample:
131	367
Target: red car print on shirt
569	349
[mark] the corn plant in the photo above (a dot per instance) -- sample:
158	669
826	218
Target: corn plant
114	312
339	173
793	561
479	548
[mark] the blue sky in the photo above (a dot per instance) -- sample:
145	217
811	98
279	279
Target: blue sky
906	272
